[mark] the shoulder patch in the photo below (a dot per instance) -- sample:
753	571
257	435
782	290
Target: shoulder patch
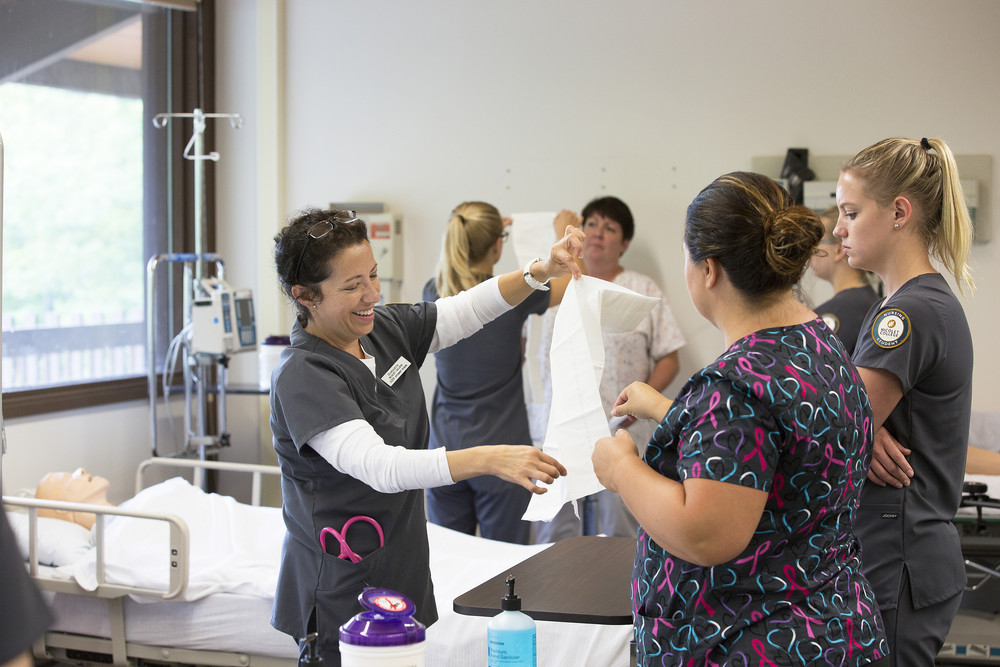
891	328
831	321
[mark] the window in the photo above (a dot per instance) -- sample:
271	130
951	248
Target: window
91	190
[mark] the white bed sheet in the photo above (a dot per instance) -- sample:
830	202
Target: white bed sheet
220	622
233	547
238	618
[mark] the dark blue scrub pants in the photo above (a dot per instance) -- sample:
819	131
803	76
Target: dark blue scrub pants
491	503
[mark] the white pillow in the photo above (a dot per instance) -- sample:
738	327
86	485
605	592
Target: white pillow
59	542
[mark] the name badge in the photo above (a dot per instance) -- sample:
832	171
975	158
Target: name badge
397	369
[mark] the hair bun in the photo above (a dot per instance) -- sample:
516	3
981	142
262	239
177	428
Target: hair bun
790	236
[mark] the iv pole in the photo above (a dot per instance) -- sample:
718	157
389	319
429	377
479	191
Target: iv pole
194	151
197	142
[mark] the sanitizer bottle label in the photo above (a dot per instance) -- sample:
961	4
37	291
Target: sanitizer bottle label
511	648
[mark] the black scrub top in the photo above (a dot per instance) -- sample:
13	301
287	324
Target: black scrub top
846	311
23	614
315	388
921	336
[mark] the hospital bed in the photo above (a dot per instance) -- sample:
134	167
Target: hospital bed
974	638
178	576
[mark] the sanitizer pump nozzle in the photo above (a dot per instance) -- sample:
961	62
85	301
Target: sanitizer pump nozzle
511	634
510	601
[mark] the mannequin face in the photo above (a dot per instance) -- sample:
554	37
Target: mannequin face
78	486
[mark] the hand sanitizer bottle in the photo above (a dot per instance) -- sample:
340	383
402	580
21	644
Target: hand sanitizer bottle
511	634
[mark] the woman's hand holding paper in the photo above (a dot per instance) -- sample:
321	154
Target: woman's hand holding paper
640	401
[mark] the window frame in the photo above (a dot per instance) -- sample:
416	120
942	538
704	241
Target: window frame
181	43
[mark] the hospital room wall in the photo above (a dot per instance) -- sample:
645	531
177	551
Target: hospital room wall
544	105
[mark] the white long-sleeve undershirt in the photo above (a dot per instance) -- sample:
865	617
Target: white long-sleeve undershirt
354	448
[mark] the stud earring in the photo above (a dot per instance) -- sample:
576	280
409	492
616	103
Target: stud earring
895	225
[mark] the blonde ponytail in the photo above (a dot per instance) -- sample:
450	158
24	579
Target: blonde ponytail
952	243
473	229
925	171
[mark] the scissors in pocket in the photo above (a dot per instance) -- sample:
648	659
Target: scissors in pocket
345	551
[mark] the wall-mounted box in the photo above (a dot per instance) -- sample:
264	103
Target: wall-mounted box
385	236
819	195
976	172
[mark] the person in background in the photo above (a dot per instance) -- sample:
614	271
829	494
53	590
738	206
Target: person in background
24	617
746	553
982	462
901	203
852	293
647	354
479	396
350	425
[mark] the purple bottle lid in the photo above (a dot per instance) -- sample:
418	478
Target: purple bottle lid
388	621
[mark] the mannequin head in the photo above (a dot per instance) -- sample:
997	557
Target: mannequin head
78	486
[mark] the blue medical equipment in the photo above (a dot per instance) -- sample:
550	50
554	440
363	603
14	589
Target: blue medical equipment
222	320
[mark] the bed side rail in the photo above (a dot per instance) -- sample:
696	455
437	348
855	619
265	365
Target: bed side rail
178	549
256	470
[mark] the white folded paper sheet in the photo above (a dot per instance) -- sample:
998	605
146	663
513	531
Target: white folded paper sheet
576	415
532	235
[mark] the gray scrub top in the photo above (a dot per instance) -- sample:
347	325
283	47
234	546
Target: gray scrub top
24	617
315	388
846	311
921	336
479	397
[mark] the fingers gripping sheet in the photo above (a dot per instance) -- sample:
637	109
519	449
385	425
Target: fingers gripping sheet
576	417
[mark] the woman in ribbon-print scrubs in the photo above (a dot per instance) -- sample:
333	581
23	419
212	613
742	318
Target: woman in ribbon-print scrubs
747	492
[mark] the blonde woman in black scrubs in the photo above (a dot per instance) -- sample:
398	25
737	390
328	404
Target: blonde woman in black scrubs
901	204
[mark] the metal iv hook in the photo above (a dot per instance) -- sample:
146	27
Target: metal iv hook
236	120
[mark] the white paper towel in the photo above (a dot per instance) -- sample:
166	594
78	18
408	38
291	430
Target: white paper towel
576	415
532	235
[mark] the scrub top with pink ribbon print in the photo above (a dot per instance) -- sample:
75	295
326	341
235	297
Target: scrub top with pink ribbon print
784	411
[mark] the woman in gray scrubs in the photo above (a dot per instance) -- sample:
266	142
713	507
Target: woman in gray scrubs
350	424
479	396
901	204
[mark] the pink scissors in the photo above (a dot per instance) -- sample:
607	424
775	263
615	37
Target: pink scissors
345	551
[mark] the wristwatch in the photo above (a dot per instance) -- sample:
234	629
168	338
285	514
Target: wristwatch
528	278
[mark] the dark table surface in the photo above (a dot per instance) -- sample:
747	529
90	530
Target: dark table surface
579	579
